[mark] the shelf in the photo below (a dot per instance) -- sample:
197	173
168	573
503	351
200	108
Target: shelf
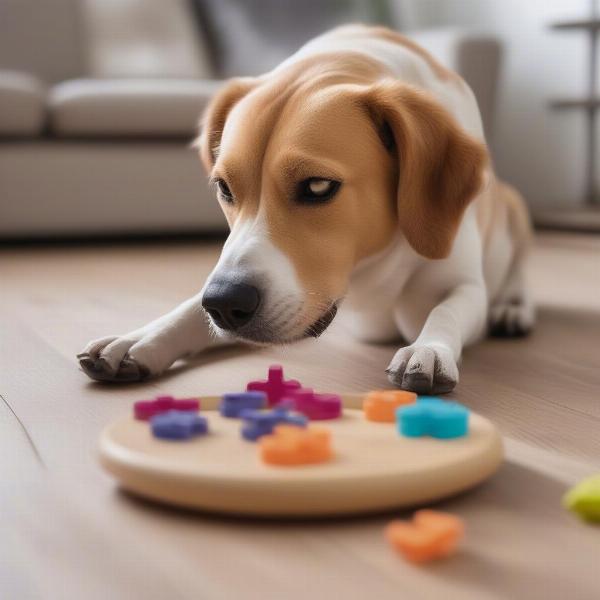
571	103
586	24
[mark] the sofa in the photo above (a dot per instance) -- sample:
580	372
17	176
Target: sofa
100	99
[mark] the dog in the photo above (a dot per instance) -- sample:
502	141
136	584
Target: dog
356	170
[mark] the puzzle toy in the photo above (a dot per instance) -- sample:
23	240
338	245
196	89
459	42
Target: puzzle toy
233	404
258	423
276	387
430	535
357	464
434	417
289	445
178	425
146	409
584	499
381	405
317	407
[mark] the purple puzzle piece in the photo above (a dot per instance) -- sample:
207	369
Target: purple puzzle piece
276	387
178	425
146	409
317	407
233	404
260	422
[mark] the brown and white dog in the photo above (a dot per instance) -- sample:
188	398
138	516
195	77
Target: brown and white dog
356	170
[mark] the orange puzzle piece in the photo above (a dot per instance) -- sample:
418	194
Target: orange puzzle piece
289	445
381	405
430	535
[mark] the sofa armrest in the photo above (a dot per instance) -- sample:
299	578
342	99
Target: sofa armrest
22	104
475	56
123	108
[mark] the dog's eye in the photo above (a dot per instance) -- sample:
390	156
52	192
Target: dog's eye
224	190
316	190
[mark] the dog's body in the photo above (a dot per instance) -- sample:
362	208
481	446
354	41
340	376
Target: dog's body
356	169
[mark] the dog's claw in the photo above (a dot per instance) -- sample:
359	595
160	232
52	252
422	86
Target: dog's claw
99	370
424	370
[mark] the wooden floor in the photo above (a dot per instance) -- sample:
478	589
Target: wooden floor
66	532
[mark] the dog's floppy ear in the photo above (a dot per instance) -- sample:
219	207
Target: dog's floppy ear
215	115
440	166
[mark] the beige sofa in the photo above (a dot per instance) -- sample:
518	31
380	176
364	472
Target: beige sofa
99	101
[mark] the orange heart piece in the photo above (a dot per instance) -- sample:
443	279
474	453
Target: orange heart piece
289	445
431	534
381	405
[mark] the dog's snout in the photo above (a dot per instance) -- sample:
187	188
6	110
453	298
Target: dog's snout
230	304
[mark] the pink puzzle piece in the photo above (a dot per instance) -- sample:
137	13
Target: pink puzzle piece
317	407
146	409
276	387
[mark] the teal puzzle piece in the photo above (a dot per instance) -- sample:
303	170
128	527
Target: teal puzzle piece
433	417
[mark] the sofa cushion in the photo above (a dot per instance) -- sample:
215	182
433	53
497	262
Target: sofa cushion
251	37
22	104
143	38
128	108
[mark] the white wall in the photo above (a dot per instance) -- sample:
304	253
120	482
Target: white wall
541	151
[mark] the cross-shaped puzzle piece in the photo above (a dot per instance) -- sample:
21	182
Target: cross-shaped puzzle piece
276	387
233	404
178	425
317	407
431	534
294	446
434	417
146	409
259	422
381	405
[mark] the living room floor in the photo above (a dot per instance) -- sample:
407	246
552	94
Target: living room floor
67	531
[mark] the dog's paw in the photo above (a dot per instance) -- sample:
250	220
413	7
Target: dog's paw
110	359
511	318
424	369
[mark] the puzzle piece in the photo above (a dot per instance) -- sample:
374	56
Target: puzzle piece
259	422
233	404
584	499
276	387
431	534
381	405
294	446
317	407
178	425
434	417
146	409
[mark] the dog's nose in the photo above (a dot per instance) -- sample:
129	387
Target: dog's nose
231	305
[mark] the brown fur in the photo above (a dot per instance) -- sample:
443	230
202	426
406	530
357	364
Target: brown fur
441	166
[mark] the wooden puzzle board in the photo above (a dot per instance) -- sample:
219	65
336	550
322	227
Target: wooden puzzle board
374	468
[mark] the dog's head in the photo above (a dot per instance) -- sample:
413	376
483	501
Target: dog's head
316	171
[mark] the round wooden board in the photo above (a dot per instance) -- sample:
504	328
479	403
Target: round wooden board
374	468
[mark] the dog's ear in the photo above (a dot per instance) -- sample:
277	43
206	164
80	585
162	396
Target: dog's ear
215	115
440	166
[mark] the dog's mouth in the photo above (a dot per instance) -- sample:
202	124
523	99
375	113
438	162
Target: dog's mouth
322	323
261	333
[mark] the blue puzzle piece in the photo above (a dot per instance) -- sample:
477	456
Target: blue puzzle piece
233	404
259	422
434	417
178	425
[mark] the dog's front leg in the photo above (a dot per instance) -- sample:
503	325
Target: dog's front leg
152	349
429	365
